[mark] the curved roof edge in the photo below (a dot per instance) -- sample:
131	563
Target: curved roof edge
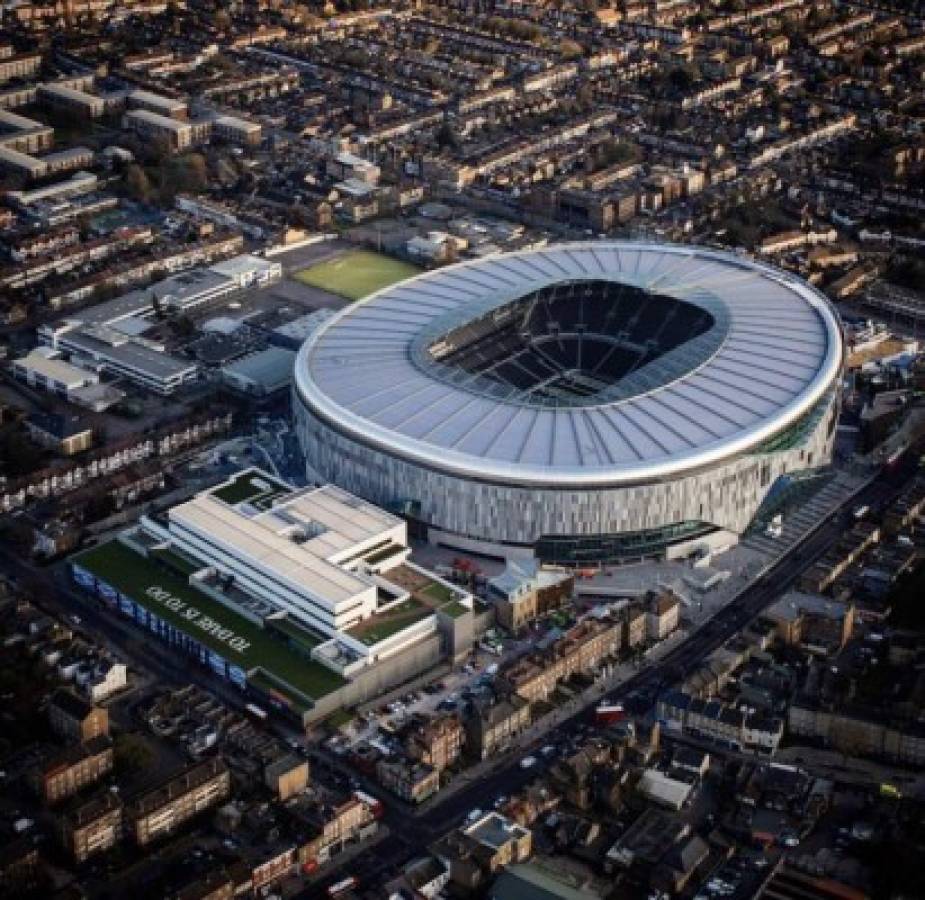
463	465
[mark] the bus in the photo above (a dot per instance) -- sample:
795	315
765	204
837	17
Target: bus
609	713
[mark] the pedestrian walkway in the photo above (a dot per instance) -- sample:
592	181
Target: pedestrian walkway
802	518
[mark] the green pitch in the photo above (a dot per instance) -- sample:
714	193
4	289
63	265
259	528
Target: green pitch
356	274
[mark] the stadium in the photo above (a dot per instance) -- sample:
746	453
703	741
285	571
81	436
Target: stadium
592	402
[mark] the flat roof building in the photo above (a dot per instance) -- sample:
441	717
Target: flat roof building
297	550
262	373
109	336
24	163
236	130
177	135
161	811
92	826
157	103
306	595
43	369
64	95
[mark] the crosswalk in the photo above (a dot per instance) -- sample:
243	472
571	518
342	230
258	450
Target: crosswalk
801	517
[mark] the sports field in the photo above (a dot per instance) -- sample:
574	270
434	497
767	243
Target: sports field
356	274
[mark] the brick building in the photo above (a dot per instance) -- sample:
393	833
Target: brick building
72	769
160	811
91	827
75	719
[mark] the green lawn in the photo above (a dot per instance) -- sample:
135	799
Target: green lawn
356	274
454	609
384	624
244	487
339	719
174	561
301	636
204	619
437	592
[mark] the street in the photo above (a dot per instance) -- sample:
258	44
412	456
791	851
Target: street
411	831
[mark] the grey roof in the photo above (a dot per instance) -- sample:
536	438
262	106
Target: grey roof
270	368
774	351
177	290
528	881
146	360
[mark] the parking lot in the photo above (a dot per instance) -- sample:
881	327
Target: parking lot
445	691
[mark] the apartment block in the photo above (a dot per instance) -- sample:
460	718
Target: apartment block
161	811
68	772
436	743
411	781
580	650
176	135
92	827
492	728
663	616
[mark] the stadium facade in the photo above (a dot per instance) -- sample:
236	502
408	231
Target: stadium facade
583	402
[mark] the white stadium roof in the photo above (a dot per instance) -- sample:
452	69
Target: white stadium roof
772	351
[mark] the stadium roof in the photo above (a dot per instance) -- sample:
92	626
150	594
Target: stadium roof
710	355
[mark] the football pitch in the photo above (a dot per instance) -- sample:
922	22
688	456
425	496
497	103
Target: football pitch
356	274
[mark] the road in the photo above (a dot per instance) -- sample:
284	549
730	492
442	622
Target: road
410	833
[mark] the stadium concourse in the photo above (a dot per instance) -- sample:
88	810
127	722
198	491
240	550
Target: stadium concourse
594	402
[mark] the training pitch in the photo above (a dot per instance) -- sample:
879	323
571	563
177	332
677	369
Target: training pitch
356	274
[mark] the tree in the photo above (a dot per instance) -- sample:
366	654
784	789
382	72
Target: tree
184	326
137	183
584	96
570	49
18	534
18	455
616	151
446	136
132	753
682	77
186	174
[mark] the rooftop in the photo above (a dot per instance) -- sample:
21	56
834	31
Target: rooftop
384	624
213	624
494	830
271	368
303	537
417	367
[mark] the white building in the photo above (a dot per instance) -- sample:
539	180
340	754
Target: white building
41	368
663	790
106	679
675	400
320	558
248	270
111	337
158	103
